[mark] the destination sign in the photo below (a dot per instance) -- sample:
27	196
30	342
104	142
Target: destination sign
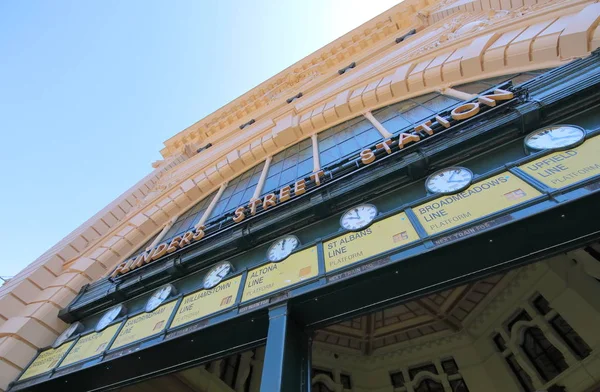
480	199
274	276
381	236
90	345
46	361
205	302
144	325
564	168
402	142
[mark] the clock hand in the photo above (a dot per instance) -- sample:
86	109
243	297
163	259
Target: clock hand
357	214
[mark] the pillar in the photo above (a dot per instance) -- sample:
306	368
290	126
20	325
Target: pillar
287	355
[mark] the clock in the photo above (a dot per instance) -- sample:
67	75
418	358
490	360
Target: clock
160	296
449	180
358	217
555	137
110	316
282	248
216	274
72	330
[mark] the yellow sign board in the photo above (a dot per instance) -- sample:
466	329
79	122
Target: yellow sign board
90	345
205	302
144	325
564	168
46	361
274	276
384	235
480	199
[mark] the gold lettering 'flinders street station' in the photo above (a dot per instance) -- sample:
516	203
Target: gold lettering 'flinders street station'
411	208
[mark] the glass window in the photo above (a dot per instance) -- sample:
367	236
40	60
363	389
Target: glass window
248	382
459	386
397	379
320	387
146	244
412	112
188	220
290	164
346	138
563	328
548	361
450	366
500	343
542	305
523	316
571	338
429	386
520	374
430	367
239	191
316	372
346	381
483	85
229	369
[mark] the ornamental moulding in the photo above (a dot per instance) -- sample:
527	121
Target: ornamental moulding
327	58
202	179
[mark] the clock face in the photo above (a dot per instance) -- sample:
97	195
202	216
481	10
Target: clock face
555	137
109	317
70	331
217	273
358	217
159	297
449	180
282	248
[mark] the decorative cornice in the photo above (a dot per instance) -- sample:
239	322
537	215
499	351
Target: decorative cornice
276	89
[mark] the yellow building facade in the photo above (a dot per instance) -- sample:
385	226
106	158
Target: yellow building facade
304	237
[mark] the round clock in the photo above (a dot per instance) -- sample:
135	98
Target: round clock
449	180
555	137
110	316
358	217
216	274
160	296
73	329
282	248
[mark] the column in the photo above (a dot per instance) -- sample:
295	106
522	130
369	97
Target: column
211	206
286	364
262	179
315	150
450	92
384	132
163	232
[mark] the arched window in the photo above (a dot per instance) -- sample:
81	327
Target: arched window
320	387
412	112
428	385
239	191
188	219
290	164
346	138
548	361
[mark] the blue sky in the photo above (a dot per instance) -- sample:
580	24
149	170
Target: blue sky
89	90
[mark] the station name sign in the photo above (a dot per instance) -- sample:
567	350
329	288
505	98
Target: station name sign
366	157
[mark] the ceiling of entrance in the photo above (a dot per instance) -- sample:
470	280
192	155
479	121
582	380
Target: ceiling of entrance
440	312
